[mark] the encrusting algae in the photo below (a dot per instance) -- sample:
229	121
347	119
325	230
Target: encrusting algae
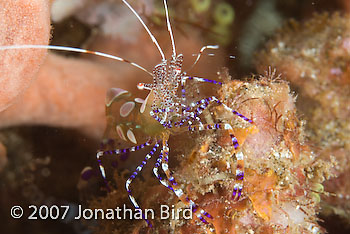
282	176
315	57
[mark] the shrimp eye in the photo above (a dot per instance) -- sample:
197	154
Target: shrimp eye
200	6
140	85
224	14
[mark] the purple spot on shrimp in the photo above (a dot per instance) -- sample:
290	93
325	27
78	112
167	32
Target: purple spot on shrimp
234	193
102	146
239	194
235	142
240	176
203	220
110	143
114	163
194	208
87	174
124	156
208	215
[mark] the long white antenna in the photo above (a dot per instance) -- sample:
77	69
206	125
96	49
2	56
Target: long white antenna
169	28
72	49
145	26
201	52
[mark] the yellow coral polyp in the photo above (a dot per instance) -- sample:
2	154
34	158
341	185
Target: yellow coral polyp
221	34
317	189
316	197
200	6
224	14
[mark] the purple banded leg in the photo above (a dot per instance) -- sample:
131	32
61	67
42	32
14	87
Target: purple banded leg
238	186
204	103
234	141
160	120
183	91
209	127
237	192
126	150
199	79
200	106
233	111
117	151
162	180
133	176
175	188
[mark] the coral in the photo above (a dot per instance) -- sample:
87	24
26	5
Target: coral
282	175
61	84
315	56
22	22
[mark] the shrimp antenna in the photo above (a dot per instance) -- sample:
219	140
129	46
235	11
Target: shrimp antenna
201	52
72	49
145	26
169	28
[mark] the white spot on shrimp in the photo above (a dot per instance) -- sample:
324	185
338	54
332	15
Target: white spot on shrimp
126	108
143	107
131	136
239	155
165	167
85	170
139	100
113	94
227	127
178	192
120	132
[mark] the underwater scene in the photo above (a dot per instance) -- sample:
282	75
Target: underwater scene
174	116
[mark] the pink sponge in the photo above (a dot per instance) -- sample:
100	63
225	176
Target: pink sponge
21	22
